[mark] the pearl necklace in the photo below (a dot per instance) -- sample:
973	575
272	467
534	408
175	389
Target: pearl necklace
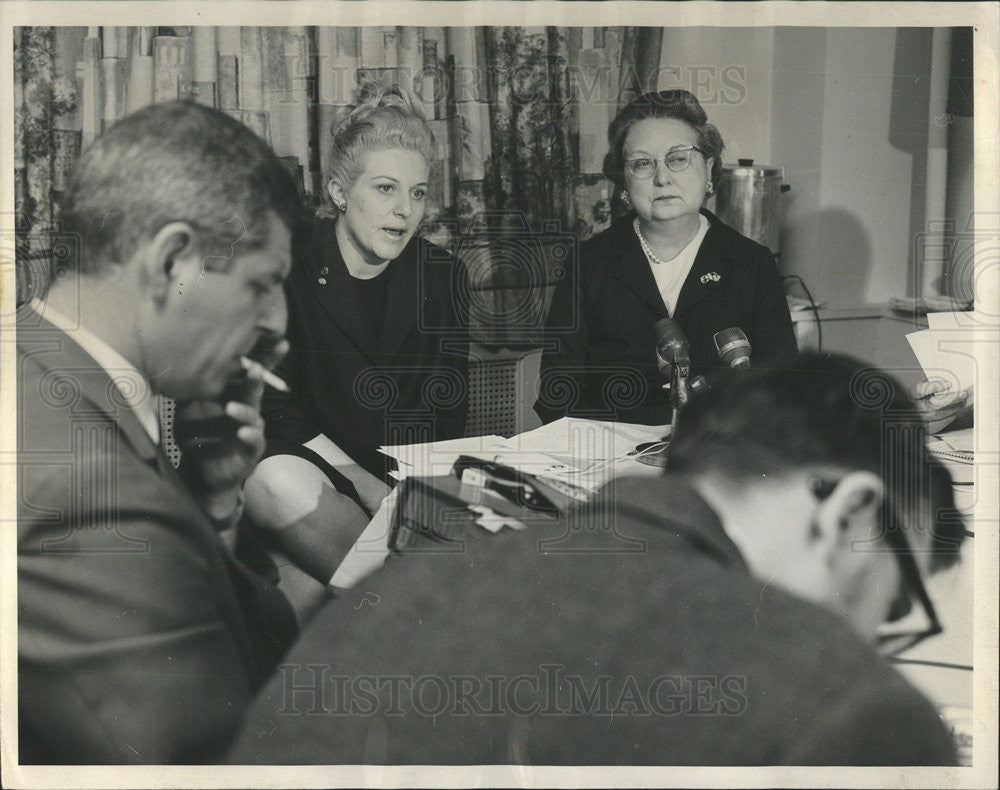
644	244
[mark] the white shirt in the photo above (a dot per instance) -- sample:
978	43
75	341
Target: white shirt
670	275
135	388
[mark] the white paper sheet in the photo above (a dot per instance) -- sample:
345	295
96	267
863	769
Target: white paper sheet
588	441
417	454
960	320
962	441
582	452
370	550
944	356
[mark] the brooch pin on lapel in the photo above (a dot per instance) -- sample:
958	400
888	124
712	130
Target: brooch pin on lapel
710	277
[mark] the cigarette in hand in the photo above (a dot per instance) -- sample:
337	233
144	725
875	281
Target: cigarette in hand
269	378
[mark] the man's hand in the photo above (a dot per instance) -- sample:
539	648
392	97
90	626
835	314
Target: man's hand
939	405
223	440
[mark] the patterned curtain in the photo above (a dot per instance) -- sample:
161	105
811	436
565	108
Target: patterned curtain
46	143
519	115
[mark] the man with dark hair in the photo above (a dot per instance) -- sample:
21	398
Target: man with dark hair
844	431
723	614
140	637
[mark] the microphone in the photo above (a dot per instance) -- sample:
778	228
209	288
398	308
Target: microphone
671	344
733	347
673	359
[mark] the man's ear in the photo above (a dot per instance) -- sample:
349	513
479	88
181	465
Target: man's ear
163	256
850	514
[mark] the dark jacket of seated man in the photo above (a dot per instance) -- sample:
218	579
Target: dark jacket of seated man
704	618
141	639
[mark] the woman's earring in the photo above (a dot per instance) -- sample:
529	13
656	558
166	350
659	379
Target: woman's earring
625	198
709	187
342	207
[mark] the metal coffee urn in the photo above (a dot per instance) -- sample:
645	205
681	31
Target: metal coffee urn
749	199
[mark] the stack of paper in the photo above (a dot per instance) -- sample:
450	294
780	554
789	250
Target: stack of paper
955	450
576	451
588	441
437	458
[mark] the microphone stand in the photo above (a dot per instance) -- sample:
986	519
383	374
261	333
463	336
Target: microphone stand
680	369
673	356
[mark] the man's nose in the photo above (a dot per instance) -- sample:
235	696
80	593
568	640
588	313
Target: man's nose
273	318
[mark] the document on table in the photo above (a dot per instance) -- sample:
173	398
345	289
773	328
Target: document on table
588	440
577	451
945	349
432	459
955	450
961	441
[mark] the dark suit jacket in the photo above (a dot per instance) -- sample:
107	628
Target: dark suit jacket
629	633
601	360
408	385
140	638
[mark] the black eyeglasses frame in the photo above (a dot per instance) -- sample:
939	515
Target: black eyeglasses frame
822	488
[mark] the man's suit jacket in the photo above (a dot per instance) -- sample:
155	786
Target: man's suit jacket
627	633
407	385
140	638
601	360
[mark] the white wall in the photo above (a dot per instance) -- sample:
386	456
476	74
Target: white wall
796	138
849	115
866	175
729	70
844	111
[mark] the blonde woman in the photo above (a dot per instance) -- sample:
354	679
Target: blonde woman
378	352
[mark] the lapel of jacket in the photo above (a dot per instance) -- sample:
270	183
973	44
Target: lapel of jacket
405	293
94	395
710	271
632	269
94	391
321	260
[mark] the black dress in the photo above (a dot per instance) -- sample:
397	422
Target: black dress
372	362
601	358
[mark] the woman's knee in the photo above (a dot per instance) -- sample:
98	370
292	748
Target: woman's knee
285	489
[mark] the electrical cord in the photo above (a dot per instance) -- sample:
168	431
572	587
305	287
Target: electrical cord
813	307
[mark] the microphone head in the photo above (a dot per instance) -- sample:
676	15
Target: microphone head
733	347
670	341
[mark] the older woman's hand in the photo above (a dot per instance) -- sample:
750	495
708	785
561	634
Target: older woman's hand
939	405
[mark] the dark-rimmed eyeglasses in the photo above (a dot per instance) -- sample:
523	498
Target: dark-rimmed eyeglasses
676	160
912	583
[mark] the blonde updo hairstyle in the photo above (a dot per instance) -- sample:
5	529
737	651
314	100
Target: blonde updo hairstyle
382	118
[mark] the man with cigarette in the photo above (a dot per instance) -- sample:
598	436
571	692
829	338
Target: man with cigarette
140	637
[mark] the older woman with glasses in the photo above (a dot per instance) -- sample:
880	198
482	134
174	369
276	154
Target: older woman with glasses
669	257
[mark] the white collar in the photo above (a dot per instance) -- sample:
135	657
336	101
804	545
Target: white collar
134	388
